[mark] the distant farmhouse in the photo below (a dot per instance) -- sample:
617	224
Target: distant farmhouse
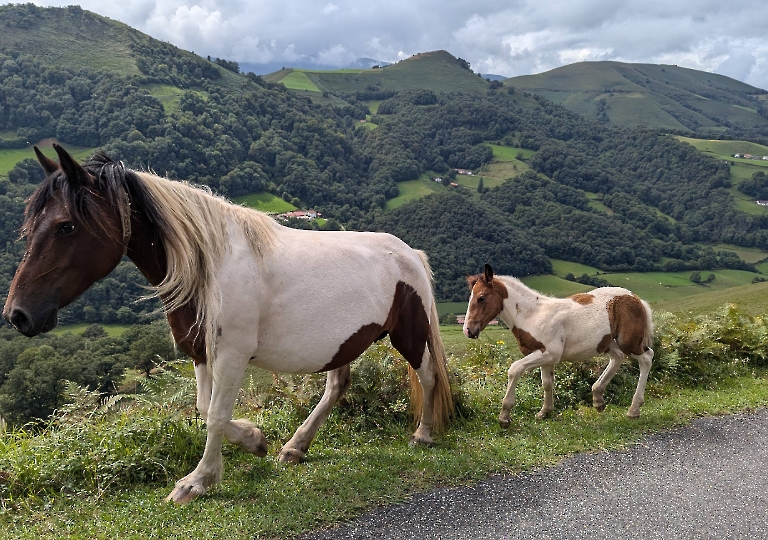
299	214
750	156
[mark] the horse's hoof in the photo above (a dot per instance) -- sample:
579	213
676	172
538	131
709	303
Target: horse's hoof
292	456
542	414
255	443
600	407
634	415
184	493
420	441
504	423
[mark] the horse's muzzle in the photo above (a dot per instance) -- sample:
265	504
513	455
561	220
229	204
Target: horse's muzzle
470	333
28	325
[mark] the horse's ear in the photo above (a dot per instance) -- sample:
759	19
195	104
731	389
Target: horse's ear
488	274
74	171
49	166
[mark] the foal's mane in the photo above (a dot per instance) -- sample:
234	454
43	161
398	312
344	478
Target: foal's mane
190	221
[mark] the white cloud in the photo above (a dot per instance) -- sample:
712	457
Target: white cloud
330	8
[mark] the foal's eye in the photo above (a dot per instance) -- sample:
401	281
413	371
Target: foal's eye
481	299
65	228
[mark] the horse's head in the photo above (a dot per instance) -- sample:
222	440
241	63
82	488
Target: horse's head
485	302
75	236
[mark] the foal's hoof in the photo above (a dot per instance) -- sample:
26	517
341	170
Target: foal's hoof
253	440
634	415
292	456
542	414
599	407
504	423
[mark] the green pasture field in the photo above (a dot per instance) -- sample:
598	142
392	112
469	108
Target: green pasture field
726	149
367	125
265	202
169	95
414	189
113	330
298	80
746	254
596	204
752	299
373	105
8	135
473	181
509	153
9	157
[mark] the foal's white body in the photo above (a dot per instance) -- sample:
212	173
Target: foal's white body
551	330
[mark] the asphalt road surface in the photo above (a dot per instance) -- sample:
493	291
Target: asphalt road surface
707	480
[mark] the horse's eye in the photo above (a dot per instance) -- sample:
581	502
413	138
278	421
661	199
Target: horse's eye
481	299
65	228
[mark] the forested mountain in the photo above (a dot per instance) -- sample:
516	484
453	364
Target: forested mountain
655	96
184	116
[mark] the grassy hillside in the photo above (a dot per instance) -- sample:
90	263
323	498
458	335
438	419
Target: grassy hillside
438	71
9	157
655	96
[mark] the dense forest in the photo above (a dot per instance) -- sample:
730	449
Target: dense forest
239	134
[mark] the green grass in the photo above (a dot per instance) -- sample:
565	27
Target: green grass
11	156
168	95
298	80
113	330
746	254
508	153
414	189
265	202
373	105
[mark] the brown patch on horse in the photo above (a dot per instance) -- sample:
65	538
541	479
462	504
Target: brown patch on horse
582	298
186	333
407	325
527	342
605	344
628	323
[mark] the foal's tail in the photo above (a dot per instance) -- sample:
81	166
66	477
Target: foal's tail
442	399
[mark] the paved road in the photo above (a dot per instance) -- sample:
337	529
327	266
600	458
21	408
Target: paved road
707	480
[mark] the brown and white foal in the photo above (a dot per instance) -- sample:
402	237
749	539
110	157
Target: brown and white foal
549	330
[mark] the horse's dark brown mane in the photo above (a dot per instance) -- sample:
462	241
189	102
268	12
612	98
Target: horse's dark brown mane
113	182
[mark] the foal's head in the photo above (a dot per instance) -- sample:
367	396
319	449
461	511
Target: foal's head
485	302
75	236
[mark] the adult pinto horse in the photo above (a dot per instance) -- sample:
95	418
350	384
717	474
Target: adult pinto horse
548	330
237	287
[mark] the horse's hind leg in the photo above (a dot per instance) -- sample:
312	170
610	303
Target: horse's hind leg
616	357
241	432
548	384
426	375
336	384
644	361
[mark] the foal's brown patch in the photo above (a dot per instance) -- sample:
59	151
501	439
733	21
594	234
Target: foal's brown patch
527	342
628	323
605	344
582	298
407	325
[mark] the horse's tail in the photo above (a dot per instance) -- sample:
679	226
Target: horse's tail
648	337
442	399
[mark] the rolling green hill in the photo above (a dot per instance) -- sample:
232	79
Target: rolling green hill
655	96
438	71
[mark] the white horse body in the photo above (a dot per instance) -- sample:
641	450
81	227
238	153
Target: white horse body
549	330
291	315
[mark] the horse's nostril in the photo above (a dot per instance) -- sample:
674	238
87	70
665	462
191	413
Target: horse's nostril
19	320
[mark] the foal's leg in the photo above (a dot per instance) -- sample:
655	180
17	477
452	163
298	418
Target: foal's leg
548	384
644	361
228	374
616	357
426	374
335	385
535	359
241	432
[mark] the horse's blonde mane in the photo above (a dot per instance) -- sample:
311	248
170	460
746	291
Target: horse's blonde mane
194	232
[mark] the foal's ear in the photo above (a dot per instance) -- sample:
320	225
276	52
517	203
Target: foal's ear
488	274
49	166
74	171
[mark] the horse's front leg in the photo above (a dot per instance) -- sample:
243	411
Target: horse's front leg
336	384
227	377
536	359
240	432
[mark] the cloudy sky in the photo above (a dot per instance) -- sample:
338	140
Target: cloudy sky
504	37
